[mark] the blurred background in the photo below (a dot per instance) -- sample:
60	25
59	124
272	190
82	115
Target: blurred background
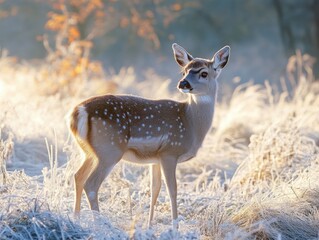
87	36
255	176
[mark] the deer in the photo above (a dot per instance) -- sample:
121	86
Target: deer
160	133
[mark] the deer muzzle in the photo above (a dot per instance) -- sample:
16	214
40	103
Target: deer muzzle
184	86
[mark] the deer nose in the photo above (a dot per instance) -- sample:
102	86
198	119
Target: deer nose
184	85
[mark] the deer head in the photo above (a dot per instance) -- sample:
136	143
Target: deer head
199	75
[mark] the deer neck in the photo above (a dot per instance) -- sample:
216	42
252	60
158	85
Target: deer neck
200	112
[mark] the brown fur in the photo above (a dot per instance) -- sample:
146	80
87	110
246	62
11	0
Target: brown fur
73	121
197	63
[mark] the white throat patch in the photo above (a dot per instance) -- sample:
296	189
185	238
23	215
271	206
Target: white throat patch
203	99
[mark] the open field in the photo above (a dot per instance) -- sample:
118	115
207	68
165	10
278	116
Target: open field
256	176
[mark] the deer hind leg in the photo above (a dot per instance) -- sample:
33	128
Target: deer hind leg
107	158
156	182
80	178
168	165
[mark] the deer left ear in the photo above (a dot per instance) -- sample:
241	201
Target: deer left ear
221	57
182	57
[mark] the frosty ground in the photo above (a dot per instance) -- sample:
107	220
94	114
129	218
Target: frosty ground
256	176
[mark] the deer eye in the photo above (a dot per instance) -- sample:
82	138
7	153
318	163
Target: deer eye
204	74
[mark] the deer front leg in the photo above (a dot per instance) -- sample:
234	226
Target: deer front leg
168	165
155	185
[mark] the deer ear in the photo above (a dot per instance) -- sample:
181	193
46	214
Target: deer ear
182	57
221	57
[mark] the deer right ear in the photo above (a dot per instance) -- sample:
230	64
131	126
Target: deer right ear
221	57
182	57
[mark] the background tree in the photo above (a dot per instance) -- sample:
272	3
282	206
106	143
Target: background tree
76	24
299	27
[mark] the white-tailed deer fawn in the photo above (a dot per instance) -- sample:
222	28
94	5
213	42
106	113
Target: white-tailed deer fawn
161	133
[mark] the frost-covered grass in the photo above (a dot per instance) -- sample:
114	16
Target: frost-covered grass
254	178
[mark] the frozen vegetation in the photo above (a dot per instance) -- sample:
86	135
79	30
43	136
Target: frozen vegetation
255	177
